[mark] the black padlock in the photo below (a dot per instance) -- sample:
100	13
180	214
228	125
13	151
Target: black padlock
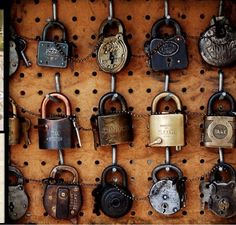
166	53
113	199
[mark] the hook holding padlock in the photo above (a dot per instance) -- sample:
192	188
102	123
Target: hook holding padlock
167	16
54	10
110	8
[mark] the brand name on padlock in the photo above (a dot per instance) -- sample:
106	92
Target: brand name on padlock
167	132
167	48
220	131
52	53
115	129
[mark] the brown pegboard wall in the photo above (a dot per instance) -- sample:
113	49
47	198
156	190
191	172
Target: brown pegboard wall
86	84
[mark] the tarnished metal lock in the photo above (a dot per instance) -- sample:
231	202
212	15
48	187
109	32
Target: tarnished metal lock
167	195
17	199
14	58
56	132
53	53
113	52
63	200
114	200
112	128
220	194
13	125
220	127
169	53
166	129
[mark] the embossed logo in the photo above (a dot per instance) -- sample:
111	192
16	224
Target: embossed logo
167	48
220	131
52	53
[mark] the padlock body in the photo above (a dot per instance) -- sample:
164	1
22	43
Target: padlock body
219	131
167	130
14	131
55	133
62	201
50	55
168	54
115	129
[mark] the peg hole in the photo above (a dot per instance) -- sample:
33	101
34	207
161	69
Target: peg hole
202	89
74	18
202	212
92	18
77	109
147	17
22	92
36	1
95	91
77	91
22	75
131	108
75	37
202	16
149	108
130	73
131	161
147	35
25	146
184	213
39	75
132	213
148	72
43	163
183	16
76	74
40	92
94	55
81	214
149	178
201	143
97	179
202	71
37	19
96	162
148	90
129	17
202	107
129	36
26	163
202	161
79	162
45	214
95	109
184	90
94	73
184	161
93	37
150	213
130	90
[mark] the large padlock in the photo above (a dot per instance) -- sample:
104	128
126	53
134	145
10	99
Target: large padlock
220	127
63	200
219	193
166	129
52	53
17	198
167	195
55	132
113	199
13	125
113	128
113	52
166	53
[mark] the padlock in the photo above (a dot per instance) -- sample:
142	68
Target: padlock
63	200
13	125
113	128
167	195
113	199
169	53
17	198
53	53
166	129
220	127
14	58
220	194
56	132
113	52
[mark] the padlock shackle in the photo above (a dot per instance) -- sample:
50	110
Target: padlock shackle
67	168
109	169
52	24
17	173
228	97
13	105
156	26
163	95
59	96
110	22
106	97
163	167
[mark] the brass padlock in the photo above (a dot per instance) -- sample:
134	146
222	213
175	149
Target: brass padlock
220	127
112	128
13	125
166	129
63	200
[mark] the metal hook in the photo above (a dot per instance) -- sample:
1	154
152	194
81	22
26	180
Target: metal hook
167	161
54	10
221	154
110	8
60	156
113	82
167	16
167	78
57	82
221	80
221	7
114	158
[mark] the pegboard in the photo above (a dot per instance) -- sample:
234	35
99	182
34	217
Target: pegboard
138	84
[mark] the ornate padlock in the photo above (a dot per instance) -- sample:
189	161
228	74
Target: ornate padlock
17	199
220	127
166	54
56	132
53	53
114	200
167	195
166	129
112	128
113	52
63	200
14	58
220	194
13	125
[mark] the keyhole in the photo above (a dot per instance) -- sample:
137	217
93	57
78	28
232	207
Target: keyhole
11	206
111	58
168	62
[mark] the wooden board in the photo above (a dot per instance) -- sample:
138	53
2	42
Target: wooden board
86	84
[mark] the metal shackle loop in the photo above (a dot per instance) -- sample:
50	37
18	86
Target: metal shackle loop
163	167
67	168
108	22
110	95
109	169
15	171
13	105
59	96
52	24
163	95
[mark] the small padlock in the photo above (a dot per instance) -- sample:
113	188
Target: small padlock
13	125
63	200
113	52
14	58
166	129
169	53
17	198
218	193
53	53
220	127
113	128
114	200
56	132
167	195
